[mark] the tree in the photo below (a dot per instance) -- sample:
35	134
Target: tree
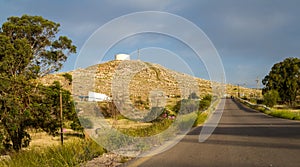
47	115
271	97
29	48
47	52
284	77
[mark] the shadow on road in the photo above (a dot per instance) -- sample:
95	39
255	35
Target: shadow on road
242	126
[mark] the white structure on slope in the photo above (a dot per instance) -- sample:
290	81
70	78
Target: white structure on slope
93	96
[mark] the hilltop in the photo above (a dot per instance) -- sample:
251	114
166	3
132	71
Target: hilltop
140	78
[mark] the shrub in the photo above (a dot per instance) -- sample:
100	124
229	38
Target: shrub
208	97
254	101
68	77
186	106
204	104
271	98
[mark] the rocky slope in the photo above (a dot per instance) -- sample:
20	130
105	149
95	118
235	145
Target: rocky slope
139	80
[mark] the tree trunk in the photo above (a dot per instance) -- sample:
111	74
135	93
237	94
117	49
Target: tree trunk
17	140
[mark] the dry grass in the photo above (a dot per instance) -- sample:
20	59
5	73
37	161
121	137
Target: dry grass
71	154
42	139
126	123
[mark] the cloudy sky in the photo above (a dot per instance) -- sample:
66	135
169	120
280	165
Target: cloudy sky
249	36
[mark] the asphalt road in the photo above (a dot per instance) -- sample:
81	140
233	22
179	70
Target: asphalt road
242	138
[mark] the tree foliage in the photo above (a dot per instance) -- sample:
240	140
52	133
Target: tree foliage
48	108
38	38
30	48
284	77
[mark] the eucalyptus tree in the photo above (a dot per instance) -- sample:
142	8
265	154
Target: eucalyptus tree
284	78
29	48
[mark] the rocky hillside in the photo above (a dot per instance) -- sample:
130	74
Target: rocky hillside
139	80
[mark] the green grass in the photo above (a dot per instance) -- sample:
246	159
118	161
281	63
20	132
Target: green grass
201	118
287	114
71	154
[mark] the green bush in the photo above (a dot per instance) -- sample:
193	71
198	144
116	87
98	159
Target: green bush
271	98
68	77
253	101
207	97
186	106
204	104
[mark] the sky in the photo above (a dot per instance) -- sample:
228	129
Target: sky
248	36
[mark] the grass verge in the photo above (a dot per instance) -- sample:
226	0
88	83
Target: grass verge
280	113
287	114
203	116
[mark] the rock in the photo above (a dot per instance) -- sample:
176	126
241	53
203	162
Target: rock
105	160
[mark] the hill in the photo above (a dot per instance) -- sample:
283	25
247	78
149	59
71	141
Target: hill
139	80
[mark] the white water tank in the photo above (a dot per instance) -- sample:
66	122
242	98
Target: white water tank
122	57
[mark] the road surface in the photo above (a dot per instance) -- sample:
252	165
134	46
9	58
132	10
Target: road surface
242	138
